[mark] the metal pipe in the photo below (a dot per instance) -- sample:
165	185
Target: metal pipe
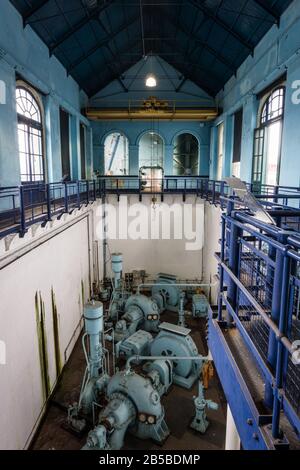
164	358
164	284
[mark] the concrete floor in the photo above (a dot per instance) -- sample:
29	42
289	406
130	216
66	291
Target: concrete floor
179	408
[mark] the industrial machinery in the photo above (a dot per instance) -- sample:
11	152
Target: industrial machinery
199	306
136	344
175	341
118	295
181	311
95	376
200	422
133	398
165	286
140	312
134	405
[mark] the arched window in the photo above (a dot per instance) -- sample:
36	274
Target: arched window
151	150
116	160
30	136
267	140
186	155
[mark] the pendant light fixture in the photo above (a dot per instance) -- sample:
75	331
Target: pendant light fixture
151	81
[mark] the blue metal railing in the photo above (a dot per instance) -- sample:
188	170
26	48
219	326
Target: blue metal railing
259	269
25	205
21	206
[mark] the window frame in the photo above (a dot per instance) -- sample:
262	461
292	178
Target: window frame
154	161
262	129
108	171
266	104
194	141
35	125
220	151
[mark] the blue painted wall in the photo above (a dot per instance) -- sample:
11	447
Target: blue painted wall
169	87
22	52
167	130
277	53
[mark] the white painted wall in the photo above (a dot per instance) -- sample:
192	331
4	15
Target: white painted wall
168	256
59	256
61	262
211	246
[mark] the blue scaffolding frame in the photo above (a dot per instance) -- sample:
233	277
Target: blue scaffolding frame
259	309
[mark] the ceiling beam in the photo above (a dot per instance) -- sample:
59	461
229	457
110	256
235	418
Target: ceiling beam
181	66
35	8
193	78
207	12
80	24
184	79
199	42
103	83
99	44
268	10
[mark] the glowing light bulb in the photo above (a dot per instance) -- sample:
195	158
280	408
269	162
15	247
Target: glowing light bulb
151	81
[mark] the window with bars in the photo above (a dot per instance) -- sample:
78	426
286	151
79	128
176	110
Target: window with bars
220	152
30	137
267	140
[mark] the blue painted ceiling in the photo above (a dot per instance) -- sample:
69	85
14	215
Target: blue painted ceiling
98	40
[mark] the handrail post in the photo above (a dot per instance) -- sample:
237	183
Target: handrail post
201	188
78	194
207	189
66	197
213	192
281	351
87	192
48	196
140	189
220	298
104	188
222	194
276	280
94	190
233	263
22	212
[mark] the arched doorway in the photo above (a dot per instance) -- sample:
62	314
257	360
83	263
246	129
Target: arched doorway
186	155
151	150
151	161
116	161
